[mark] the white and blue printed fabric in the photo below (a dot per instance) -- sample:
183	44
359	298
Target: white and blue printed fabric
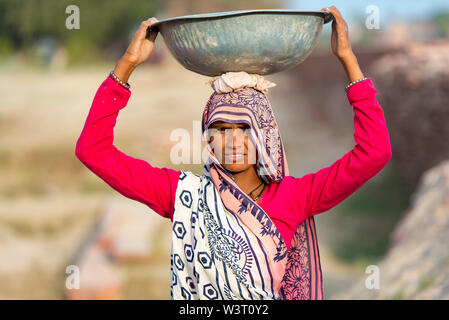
213	254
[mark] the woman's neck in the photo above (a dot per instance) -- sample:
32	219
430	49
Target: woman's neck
248	180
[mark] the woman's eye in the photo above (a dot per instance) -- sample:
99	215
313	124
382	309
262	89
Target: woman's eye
223	129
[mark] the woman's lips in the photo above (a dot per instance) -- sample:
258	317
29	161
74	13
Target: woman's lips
236	157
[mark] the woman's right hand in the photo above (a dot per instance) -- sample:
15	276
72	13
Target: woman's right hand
138	50
142	43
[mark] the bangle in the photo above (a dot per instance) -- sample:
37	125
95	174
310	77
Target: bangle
114	76
354	82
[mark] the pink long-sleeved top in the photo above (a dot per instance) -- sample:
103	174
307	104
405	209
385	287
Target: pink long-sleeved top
288	203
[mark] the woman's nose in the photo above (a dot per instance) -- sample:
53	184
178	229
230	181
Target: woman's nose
237	137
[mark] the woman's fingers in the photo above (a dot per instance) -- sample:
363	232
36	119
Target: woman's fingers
335	12
142	31
340	37
151	33
338	23
139	49
334	20
148	22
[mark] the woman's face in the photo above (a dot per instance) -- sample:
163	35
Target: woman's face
232	146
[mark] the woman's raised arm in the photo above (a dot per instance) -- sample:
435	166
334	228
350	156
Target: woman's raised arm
133	178
320	191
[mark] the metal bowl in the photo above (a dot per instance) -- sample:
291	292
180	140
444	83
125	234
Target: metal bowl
255	41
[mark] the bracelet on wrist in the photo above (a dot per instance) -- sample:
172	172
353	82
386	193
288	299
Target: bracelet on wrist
116	79
354	82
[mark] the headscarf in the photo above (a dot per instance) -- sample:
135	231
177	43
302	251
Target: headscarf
239	97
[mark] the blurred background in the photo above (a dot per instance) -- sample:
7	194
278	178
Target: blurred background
56	217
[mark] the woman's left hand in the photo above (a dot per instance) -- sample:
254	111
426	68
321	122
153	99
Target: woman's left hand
341	45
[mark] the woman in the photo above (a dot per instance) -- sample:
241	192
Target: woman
244	229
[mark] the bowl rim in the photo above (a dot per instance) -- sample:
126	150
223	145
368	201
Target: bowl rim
326	15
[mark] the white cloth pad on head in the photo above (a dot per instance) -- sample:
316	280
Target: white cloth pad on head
233	81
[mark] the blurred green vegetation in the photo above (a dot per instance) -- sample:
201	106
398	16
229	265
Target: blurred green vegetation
441	21
106	26
367	218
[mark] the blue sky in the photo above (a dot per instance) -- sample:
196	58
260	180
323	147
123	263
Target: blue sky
400	9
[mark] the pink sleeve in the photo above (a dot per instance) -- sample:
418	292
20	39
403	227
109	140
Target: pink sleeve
324	189
134	178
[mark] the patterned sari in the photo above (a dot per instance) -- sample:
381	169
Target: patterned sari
224	245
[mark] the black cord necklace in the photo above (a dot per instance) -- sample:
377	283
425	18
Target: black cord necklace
260	193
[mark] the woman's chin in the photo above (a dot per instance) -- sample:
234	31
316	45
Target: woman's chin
236	167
